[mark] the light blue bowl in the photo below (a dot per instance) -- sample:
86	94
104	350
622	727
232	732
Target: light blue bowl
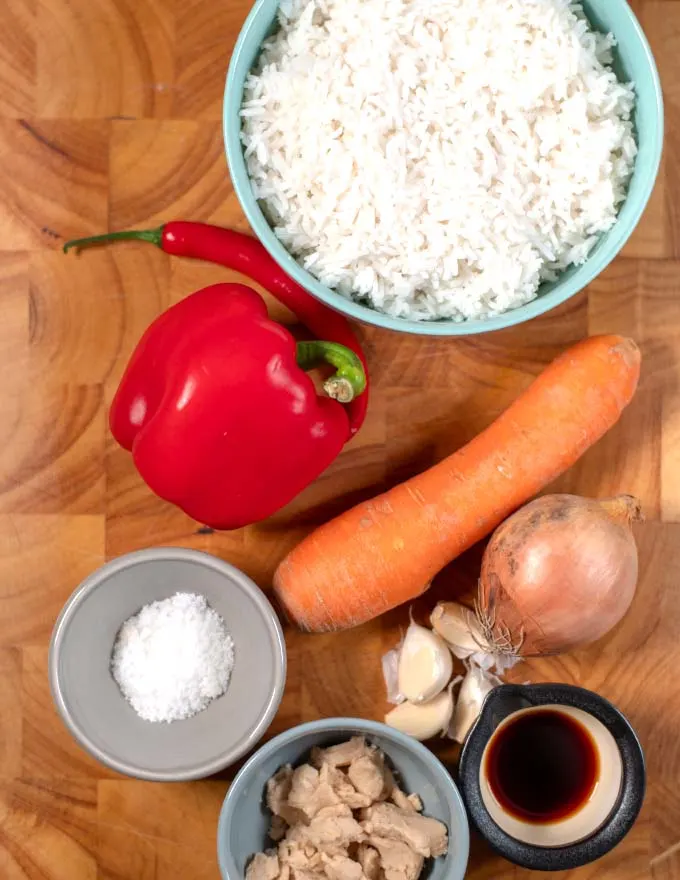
634	61
244	820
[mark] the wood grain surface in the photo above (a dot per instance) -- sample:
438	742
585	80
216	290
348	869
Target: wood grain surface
110	116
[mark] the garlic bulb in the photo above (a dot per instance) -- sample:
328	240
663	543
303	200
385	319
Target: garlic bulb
476	685
424	720
425	664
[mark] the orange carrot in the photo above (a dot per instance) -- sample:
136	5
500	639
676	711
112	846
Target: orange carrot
386	551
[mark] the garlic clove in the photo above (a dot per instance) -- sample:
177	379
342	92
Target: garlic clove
476	685
423	720
460	629
390	668
425	664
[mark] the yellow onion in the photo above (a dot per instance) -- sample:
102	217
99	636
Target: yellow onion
559	573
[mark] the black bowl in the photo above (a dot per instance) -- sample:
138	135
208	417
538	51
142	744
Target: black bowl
505	700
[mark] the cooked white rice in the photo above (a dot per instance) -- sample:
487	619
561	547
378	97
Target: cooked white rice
438	158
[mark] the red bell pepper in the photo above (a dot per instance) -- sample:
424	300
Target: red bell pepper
219	414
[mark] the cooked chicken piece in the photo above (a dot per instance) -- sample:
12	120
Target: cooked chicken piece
407	802
367	775
263	866
401	800
309	793
416	802
343	754
342	868
369	859
304	874
399	861
343	788
298	855
304	782
339	810
278	828
332	862
278	789
332	826
426	836
294	855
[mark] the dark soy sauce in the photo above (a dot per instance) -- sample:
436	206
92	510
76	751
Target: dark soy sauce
543	766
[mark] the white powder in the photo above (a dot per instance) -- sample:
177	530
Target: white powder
173	658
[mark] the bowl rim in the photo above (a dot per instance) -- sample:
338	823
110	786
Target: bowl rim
161	554
228	867
593	267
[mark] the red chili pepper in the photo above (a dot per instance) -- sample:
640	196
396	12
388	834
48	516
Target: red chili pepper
219	414
246	255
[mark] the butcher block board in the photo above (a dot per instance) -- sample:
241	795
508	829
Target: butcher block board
110	117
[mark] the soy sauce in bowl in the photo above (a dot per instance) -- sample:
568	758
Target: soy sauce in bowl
542	766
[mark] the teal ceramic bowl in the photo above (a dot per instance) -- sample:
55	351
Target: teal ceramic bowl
244	820
634	62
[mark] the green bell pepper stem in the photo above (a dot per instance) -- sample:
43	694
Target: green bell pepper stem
349	379
154	236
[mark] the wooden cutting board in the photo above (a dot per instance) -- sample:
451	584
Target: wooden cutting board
110	117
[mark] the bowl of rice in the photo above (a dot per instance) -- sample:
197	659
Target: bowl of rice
443	167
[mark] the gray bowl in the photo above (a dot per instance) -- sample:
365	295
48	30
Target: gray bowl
244	820
91	704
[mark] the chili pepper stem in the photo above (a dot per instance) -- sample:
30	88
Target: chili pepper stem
349	379
154	236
